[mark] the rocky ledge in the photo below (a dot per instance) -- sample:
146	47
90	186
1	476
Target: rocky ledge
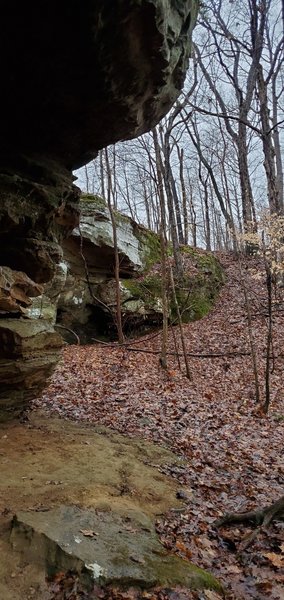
91	510
87	303
76	77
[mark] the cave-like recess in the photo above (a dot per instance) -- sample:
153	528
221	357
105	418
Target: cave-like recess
75	76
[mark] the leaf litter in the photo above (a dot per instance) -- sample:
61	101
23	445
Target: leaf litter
233	454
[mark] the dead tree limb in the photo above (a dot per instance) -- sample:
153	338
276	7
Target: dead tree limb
260	519
193	354
70	331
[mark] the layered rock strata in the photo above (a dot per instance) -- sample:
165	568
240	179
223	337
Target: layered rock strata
39	207
87	304
76	77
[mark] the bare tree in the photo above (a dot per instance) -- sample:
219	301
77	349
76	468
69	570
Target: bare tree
118	318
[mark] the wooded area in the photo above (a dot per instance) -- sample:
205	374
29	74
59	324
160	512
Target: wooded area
217	156
142	300
210	175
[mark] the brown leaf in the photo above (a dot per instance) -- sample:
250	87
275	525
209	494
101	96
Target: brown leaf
88	532
276	559
234	569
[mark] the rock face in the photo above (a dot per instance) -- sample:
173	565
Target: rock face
87	304
76	77
28	353
79	76
39	206
117	549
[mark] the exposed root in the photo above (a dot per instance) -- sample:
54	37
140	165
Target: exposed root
261	519
256	517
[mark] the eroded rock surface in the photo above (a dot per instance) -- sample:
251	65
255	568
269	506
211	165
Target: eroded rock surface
16	291
60	478
104	547
87	304
39	205
88	298
79	76
29	350
76	77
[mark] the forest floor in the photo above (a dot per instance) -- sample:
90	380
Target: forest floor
233	453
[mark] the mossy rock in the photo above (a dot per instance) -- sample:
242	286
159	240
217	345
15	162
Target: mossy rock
140	272
150	246
113	556
196	293
146	242
93	200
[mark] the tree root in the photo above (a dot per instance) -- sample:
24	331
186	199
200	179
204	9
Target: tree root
261	519
258	517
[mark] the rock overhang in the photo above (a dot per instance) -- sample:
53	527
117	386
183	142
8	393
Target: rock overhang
76	76
79	76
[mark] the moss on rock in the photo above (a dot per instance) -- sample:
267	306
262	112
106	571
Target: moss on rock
196	292
94	201
140	270
150	246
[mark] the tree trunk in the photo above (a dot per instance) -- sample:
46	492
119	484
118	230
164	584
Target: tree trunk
183	194
277	146
267	144
248	210
188	373
102	174
116	254
177	207
205	203
163	241
170	205
269	335
196	142
250	333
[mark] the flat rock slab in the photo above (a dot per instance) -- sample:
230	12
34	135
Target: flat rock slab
61	478
103	547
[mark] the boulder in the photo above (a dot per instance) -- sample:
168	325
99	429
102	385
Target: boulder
87	304
105	549
82	494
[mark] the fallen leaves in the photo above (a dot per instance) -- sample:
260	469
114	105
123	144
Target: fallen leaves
276	559
232	453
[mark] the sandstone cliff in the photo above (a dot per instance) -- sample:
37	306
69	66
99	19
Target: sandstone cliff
87	302
76	77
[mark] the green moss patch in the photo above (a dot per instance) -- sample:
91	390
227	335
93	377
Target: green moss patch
150	246
94	200
196	292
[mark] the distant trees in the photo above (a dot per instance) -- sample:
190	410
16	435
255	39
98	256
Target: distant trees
220	148
207	171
